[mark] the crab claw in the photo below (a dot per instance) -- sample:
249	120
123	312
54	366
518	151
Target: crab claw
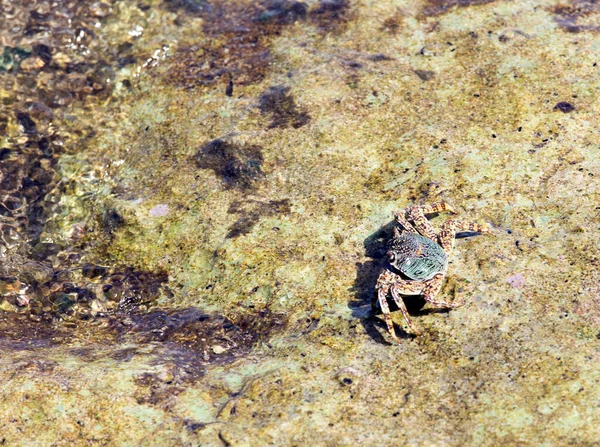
435	208
485	229
477	228
448	207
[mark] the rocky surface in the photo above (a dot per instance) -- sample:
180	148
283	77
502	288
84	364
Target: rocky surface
196	197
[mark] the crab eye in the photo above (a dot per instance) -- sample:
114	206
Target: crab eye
391	256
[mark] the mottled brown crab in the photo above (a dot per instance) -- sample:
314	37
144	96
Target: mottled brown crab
419	260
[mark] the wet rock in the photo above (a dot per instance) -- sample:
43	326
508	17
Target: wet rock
576	16
45	250
425	75
330	15
32	64
102	77
27	124
93	271
278	103
12	57
349	376
239	44
283	11
437	7
112	221
35	273
251	213
237	165
39	111
191	6
564	107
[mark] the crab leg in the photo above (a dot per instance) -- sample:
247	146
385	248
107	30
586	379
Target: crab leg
417	215
432	288
389	282
385	309
421	223
435	208
448	232
401	219
396	291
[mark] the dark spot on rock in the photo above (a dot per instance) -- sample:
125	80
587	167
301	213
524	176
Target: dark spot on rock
347	381
155	388
4	211
93	271
192	339
437	7
280	105
125	56
379	57
44	52
238	165
19	333
44	250
111	221
5	153
283	12
194	426
425	75
392	23
329	15
12	203
40	111
252	212
27	123
101	78
126	60
37	23
191	6
352	64
123	355
564	107
229	88
243	225
237	42
134	288
44	146
570	17
85	295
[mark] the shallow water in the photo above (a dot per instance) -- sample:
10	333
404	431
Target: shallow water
196	198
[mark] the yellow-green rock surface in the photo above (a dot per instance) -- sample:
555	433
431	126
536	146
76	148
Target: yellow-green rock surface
243	160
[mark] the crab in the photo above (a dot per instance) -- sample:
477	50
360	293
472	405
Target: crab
419	261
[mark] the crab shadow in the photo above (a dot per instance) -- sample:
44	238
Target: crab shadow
363	289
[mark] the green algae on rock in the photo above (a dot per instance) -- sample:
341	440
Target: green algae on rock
241	315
